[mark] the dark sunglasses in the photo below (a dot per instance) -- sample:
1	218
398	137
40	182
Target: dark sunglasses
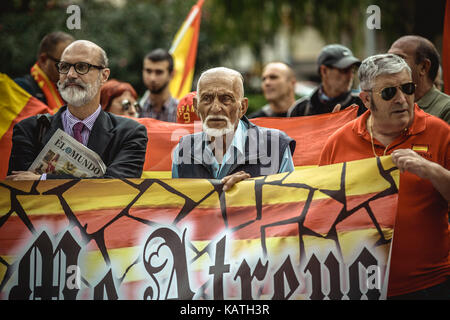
126	105
80	67
390	92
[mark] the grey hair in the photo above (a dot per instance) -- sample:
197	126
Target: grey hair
377	65
103	58
225	71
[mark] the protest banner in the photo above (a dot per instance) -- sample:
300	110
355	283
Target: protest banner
319	233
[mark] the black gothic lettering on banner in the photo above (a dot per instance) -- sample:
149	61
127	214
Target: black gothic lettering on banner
43	246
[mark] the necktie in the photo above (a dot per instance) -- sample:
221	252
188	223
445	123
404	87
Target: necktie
77	131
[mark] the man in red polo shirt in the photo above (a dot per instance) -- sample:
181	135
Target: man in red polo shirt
420	147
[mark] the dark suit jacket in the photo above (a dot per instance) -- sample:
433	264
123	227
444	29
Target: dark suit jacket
120	142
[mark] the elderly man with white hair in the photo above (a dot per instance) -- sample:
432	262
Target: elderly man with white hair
120	142
420	147
230	147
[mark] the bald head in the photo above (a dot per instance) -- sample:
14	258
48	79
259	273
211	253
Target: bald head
278	86
91	50
419	50
281	67
225	73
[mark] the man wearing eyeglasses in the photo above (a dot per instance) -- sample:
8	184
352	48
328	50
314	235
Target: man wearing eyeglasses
41	81
120	142
336	67
420	147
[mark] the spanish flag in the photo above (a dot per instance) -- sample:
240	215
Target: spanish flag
446	50
16	104
184	52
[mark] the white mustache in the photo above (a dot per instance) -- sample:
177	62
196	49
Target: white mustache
211	117
229	128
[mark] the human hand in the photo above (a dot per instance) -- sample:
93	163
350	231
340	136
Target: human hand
23	175
411	161
230	180
336	108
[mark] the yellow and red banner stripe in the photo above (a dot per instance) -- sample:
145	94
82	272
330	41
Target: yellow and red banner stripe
16	104
186	238
184	52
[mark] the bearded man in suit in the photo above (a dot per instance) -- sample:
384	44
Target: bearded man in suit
120	142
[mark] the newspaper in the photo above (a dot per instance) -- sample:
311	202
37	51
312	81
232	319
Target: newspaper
64	155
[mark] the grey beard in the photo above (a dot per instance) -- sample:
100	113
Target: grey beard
78	97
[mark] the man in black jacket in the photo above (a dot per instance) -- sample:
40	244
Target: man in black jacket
120	142
230	147
336	69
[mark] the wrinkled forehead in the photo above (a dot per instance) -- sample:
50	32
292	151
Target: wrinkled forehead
219	82
81	52
392	80
404	47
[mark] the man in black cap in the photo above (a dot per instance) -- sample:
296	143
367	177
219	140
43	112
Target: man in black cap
336	69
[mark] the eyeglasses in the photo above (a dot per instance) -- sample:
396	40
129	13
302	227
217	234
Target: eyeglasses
126	105
80	67
390	92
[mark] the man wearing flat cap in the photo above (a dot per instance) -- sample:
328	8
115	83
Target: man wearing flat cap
336	67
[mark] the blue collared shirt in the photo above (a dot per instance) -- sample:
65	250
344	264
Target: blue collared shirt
238	145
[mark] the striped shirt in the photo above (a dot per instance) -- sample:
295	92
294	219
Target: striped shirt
69	120
238	143
168	111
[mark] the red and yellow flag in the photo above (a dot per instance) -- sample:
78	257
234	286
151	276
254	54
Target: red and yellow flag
184	52
16	104
446	50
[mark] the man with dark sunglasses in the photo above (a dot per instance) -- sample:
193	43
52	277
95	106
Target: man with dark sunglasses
120	142
420	147
41	81
423	59
336	68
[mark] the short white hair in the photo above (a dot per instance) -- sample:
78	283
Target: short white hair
225	71
377	65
